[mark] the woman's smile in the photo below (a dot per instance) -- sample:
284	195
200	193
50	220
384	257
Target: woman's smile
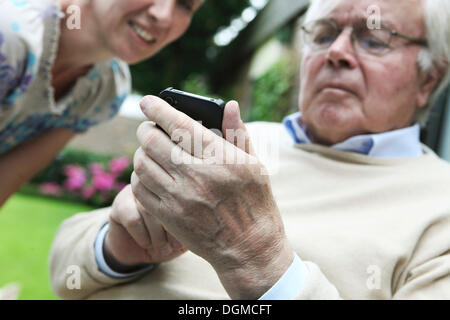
142	34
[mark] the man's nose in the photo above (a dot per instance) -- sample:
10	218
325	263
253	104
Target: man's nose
162	12
341	53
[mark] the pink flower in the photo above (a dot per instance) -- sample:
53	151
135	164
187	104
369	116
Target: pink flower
96	168
75	177
73	170
88	192
50	188
118	165
103	181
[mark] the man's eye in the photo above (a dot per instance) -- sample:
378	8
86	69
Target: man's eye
324	38
186	4
372	43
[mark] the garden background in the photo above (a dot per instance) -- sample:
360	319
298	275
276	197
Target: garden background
246	50
95	166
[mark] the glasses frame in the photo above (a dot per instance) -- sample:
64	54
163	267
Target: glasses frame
393	33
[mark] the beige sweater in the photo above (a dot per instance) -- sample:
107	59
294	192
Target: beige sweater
368	228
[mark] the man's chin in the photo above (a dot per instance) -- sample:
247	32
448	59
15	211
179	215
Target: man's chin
328	134
324	139
333	115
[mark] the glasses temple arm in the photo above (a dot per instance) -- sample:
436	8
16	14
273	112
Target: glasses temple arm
422	42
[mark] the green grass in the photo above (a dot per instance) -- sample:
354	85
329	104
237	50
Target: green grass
27	227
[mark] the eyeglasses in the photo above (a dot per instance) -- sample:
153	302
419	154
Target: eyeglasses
321	34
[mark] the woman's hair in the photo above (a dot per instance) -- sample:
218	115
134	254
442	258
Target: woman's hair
435	56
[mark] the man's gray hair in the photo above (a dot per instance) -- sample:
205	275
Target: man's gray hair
435	56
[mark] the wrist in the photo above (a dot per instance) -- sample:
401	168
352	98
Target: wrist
252	279
115	264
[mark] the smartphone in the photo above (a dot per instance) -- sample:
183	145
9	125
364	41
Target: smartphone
207	110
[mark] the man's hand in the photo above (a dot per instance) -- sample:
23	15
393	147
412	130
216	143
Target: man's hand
222	211
135	237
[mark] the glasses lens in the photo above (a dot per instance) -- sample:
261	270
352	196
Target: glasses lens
374	41
320	34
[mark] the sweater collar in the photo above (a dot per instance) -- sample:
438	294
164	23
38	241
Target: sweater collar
400	143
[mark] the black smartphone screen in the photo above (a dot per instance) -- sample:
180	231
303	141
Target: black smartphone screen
208	111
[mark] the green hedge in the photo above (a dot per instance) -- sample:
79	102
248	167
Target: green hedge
271	92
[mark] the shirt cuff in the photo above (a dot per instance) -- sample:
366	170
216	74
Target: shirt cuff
291	283
100	259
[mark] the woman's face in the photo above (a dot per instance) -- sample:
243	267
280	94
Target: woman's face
134	30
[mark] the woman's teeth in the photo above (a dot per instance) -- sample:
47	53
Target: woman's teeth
142	33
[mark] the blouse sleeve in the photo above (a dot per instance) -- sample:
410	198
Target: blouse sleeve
99	96
15	62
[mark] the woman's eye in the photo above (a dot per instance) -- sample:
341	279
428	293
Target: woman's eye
186	4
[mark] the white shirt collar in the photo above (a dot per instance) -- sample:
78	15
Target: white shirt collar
399	143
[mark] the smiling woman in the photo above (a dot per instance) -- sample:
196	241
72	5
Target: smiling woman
57	81
135	29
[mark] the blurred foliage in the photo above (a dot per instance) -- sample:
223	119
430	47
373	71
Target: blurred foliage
286	33
194	53
196	83
271	92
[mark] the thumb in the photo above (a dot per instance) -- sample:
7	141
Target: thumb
234	129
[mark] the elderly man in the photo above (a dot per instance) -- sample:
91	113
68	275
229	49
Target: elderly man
358	208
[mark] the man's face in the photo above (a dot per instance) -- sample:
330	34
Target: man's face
381	92
134	30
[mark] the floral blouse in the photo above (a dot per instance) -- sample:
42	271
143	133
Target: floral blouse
29	34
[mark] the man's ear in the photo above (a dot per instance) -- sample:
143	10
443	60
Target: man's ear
428	82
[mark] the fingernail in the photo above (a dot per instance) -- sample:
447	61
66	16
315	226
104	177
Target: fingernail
166	250
176	245
144	103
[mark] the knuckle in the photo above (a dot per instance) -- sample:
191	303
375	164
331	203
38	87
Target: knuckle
150	139
132	221
121	206
124	193
182	122
141	208
135	185
142	129
243	171
226	175
139	164
134	180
